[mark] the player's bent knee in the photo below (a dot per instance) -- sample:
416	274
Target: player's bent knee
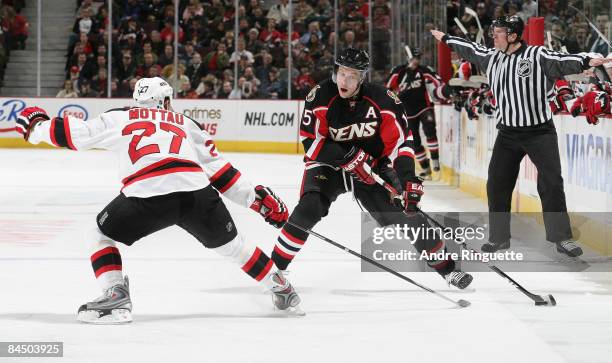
96	240
311	208
233	248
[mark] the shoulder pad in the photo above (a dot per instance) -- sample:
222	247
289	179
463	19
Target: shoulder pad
397	69
322	93
119	109
195	122
381	95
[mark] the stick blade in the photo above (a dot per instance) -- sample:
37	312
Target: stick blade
463	303
546	301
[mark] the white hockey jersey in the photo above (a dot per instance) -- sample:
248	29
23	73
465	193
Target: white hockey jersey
160	151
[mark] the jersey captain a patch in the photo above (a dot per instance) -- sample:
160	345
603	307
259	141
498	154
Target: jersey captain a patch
524	68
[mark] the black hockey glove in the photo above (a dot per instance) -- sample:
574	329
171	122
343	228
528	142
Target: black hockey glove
412	195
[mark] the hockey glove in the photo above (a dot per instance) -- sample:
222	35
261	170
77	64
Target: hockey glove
28	118
353	163
412	195
270	206
592	104
558	105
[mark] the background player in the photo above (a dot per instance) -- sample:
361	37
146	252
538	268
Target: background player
418	86
347	123
169	167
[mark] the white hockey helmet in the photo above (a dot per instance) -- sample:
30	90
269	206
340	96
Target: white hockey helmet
152	92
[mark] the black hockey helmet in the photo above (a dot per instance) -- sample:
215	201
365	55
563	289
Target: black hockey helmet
513	24
354	59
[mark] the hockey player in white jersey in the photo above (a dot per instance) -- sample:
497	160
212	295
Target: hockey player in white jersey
171	172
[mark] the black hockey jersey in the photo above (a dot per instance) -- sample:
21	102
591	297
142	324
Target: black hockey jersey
373	121
416	87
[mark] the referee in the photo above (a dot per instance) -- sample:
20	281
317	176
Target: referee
521	79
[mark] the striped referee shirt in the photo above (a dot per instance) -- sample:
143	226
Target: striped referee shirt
521	82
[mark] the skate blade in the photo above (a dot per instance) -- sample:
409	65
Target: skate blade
117	316
293	311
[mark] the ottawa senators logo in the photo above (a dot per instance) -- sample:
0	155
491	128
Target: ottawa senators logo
394	96
312	93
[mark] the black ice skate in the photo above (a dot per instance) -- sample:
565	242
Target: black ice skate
425	174
435	165
459	279
569	247
494	247
113	307
284	296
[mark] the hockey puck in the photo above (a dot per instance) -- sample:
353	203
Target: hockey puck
463	303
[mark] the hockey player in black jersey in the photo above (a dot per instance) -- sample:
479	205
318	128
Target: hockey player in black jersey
416	85
347	123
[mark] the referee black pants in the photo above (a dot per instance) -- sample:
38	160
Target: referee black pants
540	144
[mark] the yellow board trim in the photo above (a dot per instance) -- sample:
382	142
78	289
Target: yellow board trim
258	146
19	143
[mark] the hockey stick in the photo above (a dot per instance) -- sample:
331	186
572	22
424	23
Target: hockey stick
539	300
601	35
474	14
460	303
408	52
461	27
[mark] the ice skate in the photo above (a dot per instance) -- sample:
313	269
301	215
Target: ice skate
459	279
494	247
569	247
284	296
113	307
425	174
435	163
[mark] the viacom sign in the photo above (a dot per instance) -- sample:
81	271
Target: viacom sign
589	161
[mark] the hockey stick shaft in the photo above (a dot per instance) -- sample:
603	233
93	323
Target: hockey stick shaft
394	193
460	303
497	270
601	35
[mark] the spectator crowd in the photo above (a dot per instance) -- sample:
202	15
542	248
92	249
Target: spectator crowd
13	31
208	49
143	38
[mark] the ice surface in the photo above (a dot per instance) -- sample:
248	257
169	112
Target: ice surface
190	305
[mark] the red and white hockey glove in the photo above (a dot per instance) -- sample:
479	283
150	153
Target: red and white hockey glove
28	118
593	104
353	163
563	92
558	105
412	195
270	206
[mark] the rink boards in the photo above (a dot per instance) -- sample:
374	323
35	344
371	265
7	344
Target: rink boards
253	126
586	161
465	145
